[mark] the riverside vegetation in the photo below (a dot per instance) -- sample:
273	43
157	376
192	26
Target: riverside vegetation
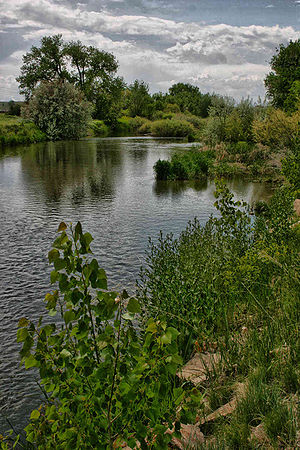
109	368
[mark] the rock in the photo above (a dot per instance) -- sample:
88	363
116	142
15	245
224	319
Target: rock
191	437
297	207
199	366
258	436
224	410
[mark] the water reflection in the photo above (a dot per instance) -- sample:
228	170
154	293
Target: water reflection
177	188
80	170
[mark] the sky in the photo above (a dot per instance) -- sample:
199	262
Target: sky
221	46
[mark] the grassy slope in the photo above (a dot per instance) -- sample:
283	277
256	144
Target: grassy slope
15	130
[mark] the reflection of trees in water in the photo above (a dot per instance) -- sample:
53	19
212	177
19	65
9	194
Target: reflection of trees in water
79	170
177	188
249	191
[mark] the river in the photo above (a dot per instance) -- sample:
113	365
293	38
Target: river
107	184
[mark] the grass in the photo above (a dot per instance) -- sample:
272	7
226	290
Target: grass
15	130
233	286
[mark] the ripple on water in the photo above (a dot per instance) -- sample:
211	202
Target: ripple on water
108	184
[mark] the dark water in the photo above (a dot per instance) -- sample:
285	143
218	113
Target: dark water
109	185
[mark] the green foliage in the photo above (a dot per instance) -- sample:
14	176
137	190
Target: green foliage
99	128
59	110
277	129
285	66
86	67
14	131
190	99
138	99
14	108
185	279
107	382
291	166
184	166
173	128
108	100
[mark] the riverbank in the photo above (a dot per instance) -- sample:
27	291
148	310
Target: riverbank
256	162
17	131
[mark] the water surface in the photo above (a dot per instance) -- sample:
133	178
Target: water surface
107	184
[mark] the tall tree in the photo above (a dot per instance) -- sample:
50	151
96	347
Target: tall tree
189	98
285	66
47	63
90	66
138	98
83	66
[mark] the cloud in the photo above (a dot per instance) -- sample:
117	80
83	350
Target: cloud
217	57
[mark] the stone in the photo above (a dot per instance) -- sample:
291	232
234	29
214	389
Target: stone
199	366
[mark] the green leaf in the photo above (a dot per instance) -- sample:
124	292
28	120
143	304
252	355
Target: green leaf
30	361
87	237
22	334
23	322
166	338
174	333
59	264
53	255
54	276
128	316
65	353
62	227
35	414
133	306
78	231
69	316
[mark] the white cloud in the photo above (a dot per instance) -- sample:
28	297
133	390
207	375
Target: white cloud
223	58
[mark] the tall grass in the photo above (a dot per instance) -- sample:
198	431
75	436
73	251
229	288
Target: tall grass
232	286
14	131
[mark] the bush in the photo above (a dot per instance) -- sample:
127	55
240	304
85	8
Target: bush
278	129
20	132
59	110
99	128
107	382
189	165
173	128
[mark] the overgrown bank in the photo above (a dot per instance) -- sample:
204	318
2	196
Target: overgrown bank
227	291
16	131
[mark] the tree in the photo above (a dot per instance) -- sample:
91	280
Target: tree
91	68
189	98
85	67
138	99
47	63
285	66
59	109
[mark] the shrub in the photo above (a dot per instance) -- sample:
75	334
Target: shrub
59	110
99	128
163	170
107	382
189	165
278	129
21	132
173	128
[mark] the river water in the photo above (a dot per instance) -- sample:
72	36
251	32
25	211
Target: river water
107	184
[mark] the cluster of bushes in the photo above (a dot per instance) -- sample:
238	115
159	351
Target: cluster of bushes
14	131
168	125
192	164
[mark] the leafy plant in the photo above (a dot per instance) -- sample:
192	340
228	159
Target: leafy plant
107	381
59	110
